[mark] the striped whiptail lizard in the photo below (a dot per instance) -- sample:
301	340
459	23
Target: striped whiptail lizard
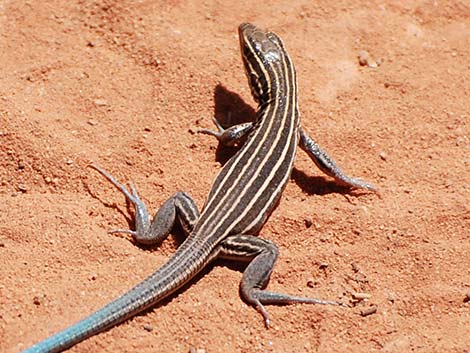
242	197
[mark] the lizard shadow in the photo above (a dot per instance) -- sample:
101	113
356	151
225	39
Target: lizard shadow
230	109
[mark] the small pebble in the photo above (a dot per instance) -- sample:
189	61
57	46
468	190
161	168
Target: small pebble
308	222
194	130
36	301
365	59
467	298
100	102
369	311
148	327
355	267
361	296
311	283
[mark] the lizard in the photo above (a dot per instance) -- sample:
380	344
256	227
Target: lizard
243	195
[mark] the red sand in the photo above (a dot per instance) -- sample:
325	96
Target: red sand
126	84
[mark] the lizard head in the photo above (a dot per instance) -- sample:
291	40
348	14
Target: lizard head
262	52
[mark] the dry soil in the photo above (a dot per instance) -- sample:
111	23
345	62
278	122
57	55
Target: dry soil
126	84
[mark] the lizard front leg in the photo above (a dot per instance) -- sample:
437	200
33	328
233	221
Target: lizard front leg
232	136
327	165
236	134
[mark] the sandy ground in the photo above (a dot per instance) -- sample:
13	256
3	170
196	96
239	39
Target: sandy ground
127	83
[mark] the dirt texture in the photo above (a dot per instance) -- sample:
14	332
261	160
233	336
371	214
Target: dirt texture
384	88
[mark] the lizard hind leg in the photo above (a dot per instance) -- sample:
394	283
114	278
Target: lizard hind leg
179	206
261	255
